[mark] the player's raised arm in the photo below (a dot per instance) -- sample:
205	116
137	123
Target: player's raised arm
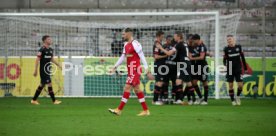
156	55
160	56
210	54
199	43
201	57
169	53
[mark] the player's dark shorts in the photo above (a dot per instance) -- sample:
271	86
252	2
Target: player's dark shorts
45	78
160	75
185	75
236	75
172	73
201	75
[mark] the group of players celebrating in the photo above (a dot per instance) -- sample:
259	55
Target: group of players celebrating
193	54
174	53
184	60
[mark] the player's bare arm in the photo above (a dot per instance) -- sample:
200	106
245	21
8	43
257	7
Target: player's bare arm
243	61
112	70
156	56
36	66
210	54
168	53
56	63
160	56
201	57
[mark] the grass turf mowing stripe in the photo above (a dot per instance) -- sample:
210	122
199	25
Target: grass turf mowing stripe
89	116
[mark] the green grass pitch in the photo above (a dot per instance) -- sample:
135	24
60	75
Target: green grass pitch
89	117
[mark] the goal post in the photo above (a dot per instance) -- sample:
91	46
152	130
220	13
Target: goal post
84	38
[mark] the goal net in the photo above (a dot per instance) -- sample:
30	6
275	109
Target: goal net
89	43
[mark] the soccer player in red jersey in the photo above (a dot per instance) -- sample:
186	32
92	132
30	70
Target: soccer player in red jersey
133	53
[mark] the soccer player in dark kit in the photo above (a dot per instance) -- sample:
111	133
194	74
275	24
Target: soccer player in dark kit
44	58
191	52
159	61
171	76
234	61
198	54
183	73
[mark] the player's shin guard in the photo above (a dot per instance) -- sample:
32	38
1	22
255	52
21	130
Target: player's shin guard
141	98
51	93
198	91
37	92
124	100
239	91
206	93
156	93
231	94
179	92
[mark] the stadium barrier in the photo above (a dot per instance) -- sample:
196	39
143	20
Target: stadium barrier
20	82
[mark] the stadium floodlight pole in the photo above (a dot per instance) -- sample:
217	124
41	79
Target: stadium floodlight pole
111	14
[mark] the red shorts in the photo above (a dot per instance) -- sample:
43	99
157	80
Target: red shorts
133	79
